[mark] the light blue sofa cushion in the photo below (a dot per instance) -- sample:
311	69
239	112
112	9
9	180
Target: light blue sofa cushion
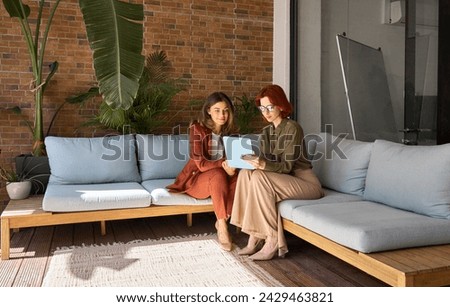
341	164
161	196
161	156
371	227
90	197
286	207
92	160
413	178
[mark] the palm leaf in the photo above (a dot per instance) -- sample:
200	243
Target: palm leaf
112	118
157	67
115	32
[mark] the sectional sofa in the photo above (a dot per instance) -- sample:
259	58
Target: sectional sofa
378	196
386	208
385	203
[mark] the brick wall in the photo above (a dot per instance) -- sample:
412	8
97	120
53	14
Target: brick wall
221	45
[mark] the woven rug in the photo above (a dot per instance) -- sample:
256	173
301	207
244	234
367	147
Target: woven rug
195	261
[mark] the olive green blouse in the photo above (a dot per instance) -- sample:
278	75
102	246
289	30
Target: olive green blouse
283	147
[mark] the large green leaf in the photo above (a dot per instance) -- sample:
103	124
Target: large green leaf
14	8
115	33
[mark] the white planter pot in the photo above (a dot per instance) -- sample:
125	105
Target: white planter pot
18	190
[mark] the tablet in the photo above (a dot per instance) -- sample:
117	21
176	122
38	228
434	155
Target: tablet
238	146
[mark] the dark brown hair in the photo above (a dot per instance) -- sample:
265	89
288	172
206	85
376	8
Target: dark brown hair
277	97
205	118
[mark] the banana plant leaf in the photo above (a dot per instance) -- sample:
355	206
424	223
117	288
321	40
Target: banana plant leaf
115	33
14	9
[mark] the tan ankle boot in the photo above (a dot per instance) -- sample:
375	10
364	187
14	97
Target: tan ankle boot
268	251
224	236
253	245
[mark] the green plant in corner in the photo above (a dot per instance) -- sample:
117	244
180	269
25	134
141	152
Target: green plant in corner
246	111
17	185
151	105
115	33
10	175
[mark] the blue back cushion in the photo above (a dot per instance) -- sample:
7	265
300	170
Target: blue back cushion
92	160
162	156
341	164
413	178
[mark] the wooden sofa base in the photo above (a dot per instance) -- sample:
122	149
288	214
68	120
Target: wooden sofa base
29	213
421	266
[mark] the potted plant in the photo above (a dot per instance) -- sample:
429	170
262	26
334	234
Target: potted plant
115	34
18	184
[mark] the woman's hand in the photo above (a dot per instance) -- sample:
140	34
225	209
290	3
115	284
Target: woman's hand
229	170
255	161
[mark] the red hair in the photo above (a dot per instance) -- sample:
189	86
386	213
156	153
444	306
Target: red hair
277	97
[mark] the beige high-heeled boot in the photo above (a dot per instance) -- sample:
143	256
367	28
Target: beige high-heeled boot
268	251
223	235
253	245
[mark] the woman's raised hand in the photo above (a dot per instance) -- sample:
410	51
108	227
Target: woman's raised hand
229	170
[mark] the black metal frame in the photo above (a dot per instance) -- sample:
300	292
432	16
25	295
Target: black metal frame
411	113
443	104
293	56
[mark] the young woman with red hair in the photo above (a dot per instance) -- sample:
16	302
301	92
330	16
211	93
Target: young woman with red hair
281	171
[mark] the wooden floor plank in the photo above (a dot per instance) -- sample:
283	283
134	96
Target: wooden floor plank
280	273
83	233
204	223
33	267
299	272
122	231
140	229
62	236
317	273
180	225
9	269
160	226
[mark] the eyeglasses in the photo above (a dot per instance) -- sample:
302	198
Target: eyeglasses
269	108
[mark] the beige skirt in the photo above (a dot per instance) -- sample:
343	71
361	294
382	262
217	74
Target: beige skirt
255	208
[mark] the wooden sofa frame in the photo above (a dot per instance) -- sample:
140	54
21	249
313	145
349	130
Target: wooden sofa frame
421	266
29	213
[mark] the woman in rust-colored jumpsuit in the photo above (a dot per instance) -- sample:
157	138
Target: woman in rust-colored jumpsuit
207	173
